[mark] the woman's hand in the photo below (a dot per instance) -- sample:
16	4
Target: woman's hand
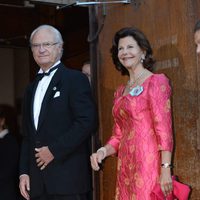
95	159
166	181
103	152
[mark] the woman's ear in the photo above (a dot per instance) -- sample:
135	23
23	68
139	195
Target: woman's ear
143	56
144	53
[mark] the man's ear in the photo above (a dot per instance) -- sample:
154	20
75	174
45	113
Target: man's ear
2	123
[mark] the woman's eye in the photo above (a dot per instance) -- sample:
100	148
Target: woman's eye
129	47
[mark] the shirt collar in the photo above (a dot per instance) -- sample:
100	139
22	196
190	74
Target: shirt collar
41	71
3	133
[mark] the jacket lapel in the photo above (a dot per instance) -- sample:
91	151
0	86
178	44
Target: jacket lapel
54	86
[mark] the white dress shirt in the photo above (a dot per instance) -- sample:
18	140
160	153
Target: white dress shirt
3	133
40	92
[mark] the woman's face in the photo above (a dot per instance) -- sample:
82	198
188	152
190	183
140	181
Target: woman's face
129	52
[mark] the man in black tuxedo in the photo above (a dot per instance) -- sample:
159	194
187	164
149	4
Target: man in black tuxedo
59	117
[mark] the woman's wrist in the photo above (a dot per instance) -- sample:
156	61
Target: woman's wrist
166	165
103	150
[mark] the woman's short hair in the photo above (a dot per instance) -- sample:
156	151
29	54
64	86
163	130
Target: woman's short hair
141	40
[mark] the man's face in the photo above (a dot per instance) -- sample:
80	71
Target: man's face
46	50
197	41
86	71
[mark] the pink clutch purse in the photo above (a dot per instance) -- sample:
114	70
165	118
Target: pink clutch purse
180	192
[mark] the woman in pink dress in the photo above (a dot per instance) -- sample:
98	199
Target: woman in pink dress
142	132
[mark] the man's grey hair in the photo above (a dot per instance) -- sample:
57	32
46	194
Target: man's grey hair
55	31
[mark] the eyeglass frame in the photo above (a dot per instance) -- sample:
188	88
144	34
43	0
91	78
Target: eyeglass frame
45	45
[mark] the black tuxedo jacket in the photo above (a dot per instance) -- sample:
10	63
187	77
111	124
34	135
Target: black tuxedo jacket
67	119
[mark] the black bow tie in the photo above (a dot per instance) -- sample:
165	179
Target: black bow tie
41	75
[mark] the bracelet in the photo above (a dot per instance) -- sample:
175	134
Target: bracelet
102	149
166	165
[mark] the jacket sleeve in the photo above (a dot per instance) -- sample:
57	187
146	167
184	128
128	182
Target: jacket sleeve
160	106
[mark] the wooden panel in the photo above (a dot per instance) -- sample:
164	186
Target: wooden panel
169	27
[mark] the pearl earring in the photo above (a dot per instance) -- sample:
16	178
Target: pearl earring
142	58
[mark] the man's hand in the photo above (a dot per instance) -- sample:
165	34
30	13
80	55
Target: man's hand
43	157
24	186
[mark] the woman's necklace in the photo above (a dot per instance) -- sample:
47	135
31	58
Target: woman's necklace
130	84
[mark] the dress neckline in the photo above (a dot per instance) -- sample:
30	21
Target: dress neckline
144	82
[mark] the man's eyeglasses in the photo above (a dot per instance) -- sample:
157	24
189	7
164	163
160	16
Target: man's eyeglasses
45	45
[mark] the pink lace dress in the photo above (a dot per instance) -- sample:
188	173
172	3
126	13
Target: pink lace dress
142	127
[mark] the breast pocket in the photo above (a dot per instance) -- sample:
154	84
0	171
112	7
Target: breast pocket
58	103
